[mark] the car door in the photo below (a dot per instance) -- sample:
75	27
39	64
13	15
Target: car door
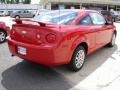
24	14
102	31
21	14
90	32
27	14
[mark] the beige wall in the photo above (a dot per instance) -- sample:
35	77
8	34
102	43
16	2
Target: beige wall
111	2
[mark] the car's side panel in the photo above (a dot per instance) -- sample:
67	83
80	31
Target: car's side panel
100	35
75	36
86	34
109	32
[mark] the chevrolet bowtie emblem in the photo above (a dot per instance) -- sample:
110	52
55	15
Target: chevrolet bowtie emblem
24	32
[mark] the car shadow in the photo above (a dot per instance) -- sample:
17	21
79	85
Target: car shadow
27	76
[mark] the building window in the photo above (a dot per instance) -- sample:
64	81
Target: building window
54	6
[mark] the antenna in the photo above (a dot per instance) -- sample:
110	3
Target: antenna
59	15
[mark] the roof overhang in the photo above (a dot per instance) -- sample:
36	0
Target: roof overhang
108	2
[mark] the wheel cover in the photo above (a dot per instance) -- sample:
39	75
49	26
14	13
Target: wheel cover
79	59
2	36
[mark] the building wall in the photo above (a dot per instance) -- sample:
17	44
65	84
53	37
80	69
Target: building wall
19	6
16	7
104	4
111	2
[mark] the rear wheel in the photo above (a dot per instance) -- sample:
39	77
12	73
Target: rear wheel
78	59
3	36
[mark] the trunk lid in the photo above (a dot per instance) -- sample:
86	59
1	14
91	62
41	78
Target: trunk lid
31	32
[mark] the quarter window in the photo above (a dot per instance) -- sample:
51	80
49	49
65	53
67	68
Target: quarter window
85	21
97	19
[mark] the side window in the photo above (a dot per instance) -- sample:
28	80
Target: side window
85	21
97	19
27	11
19	11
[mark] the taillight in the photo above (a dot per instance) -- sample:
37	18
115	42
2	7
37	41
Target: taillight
51	38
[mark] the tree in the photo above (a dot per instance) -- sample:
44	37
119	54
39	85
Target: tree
15	1
2	1
26	1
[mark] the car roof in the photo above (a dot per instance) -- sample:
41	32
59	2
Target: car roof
77	10
86	10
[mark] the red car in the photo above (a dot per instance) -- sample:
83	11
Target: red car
4	31
61	37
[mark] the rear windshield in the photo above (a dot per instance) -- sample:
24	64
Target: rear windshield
58	17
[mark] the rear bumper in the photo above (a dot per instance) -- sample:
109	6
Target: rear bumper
45	55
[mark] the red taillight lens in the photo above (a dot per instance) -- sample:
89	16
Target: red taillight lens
51	38
38	36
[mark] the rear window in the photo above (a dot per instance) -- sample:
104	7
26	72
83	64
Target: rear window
58	17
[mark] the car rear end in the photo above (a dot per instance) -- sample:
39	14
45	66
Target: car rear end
41	42
33	42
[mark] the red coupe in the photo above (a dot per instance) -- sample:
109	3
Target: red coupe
61	37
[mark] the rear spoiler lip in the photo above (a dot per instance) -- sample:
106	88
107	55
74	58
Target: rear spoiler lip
19	21
42	24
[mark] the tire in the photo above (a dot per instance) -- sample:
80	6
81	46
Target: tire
78	59
3	36
33	15
112	42
17	17
114	20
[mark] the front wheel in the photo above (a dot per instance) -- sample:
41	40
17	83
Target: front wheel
78	59
3	36
112	42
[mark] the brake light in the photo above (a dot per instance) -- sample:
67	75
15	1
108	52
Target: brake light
50	38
